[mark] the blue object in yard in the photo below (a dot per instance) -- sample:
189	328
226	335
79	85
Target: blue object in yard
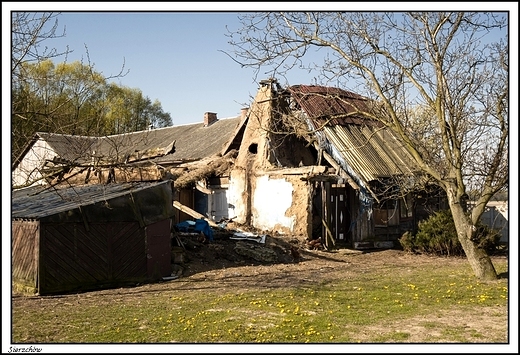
185	226
200	225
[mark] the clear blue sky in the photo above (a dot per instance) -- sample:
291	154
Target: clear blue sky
172	56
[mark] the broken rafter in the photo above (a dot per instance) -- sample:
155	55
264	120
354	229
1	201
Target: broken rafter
217	165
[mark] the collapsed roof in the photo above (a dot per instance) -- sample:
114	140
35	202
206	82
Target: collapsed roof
363	147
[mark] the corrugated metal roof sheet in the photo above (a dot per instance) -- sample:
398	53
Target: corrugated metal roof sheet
370	149
322	101
36	202
190	142
372	152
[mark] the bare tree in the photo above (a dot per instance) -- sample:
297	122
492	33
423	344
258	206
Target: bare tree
452	68
29	32
66	98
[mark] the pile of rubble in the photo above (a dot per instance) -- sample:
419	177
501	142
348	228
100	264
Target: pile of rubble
198	248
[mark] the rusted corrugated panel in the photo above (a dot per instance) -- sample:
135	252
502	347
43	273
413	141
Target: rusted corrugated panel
321	101
393	152
366	146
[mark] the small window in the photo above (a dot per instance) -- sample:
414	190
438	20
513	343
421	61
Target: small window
386	214
253	148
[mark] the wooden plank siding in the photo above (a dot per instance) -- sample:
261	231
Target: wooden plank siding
158	249
24	252
108	255
186	198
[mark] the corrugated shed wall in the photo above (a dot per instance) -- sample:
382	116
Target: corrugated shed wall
372	152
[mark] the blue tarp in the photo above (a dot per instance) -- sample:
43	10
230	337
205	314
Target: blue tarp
200	225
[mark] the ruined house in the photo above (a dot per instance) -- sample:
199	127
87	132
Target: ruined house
310	165
301	161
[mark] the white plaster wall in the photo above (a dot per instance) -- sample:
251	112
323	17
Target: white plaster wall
28	169
235	196
271	200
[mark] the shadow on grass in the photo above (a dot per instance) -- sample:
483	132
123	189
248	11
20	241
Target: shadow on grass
503	275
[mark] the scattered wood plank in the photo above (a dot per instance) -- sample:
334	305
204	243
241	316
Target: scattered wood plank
192	213
328	237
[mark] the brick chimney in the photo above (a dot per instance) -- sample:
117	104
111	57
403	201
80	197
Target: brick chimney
210	118
243	113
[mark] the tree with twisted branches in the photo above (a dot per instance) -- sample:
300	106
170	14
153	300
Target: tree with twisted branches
440	80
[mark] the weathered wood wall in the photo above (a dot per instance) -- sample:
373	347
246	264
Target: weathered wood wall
25	237
108	254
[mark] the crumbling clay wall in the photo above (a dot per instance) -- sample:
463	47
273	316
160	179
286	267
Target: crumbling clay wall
262	198
281	204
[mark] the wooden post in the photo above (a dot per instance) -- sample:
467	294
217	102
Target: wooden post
327	233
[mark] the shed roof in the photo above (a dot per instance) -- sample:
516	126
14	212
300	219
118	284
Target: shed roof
38	202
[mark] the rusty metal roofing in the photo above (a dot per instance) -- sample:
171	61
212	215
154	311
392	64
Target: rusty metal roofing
38	202
321	101
177	143
368	148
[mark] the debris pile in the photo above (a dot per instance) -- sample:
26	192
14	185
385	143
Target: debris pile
198	247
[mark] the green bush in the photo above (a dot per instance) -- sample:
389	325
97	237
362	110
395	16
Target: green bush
437	235
407	242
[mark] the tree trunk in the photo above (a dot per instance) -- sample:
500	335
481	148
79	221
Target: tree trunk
477	257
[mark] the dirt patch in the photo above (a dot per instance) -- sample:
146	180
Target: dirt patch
300	258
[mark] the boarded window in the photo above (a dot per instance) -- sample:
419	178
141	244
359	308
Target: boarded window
386	214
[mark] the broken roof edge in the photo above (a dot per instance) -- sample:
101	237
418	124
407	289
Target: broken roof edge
334	158
330	103
333	90
241	125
